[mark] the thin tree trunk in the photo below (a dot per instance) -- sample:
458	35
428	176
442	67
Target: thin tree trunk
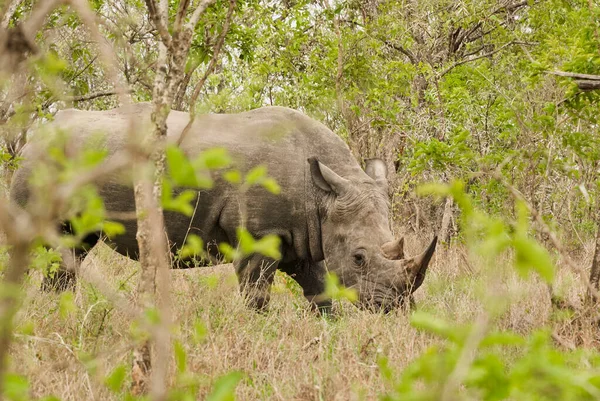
9	300
595	271
446	220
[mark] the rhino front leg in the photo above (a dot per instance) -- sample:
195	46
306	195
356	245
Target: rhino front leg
255	274
311	277
66	276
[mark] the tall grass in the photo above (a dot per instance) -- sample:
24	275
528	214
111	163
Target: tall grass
287	353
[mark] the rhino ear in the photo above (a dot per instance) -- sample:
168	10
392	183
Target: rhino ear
376	169
325	178
394	250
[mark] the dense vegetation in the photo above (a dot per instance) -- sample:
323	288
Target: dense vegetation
485	113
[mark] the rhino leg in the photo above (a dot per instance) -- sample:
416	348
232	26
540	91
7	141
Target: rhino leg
255	274
311	277
66	276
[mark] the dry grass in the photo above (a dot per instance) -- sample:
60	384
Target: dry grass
288	353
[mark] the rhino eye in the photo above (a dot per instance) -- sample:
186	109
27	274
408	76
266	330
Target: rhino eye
359	258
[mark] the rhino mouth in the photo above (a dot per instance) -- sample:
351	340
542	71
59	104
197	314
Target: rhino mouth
380	301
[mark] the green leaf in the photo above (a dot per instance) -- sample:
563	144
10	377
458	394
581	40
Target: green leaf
213	159
66	304
245	240
181	203
224	388
200	331
429	323
115	380
194	246
271	185
256	175
334	290
16	387
179	167
269	246
233	176
529	255
229	252
112	228
180	356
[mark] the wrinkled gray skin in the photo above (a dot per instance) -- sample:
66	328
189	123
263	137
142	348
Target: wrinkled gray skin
329	209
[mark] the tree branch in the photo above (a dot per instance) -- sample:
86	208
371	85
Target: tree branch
402	50
191	25
447	70
9	9
158	19
91	96
574	75
209	70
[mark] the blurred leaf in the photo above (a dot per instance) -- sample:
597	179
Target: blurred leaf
334	290
233	176
115	380
213	159
66	305
194	246
16	387
181	203
256	175
224	387
179	167
180	356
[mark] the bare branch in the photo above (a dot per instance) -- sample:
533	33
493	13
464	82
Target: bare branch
545	229
107	54
92	96
9	9
18	42
402	50
209	70
461	62
159	20
195	18
181	13
574	75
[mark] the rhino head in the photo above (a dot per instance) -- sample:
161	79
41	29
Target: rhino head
358	244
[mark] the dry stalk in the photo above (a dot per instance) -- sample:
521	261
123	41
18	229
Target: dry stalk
545	229
466	358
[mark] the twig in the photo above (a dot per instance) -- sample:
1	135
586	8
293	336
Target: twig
91	96
159	21
107	54
574	75
488	54
209	70
195	18
547	231
466	357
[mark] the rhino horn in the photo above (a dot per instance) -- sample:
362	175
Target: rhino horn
417	267
394	250
377	170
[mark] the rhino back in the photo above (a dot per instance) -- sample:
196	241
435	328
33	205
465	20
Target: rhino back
280	138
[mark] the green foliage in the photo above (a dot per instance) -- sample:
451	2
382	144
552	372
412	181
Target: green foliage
268	245
334	290
16	387
538	371
224	388
116	379
491	236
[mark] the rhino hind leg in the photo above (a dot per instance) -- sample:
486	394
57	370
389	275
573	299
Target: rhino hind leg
66	277
255	274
